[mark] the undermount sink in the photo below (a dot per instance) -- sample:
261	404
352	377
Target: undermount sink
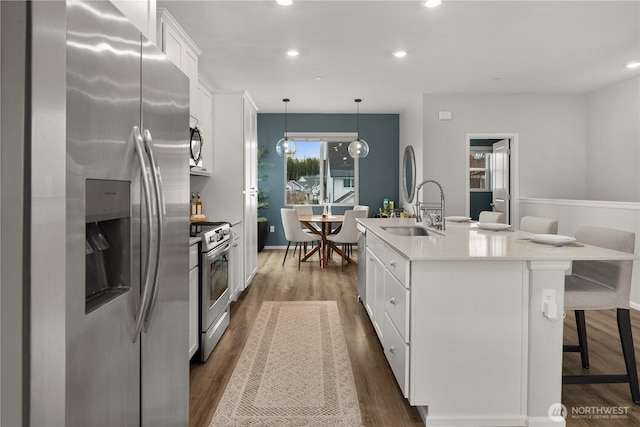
409	230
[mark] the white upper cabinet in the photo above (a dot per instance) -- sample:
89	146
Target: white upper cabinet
204	121
142	14
183	52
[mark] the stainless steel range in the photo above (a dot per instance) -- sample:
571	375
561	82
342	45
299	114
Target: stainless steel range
214	284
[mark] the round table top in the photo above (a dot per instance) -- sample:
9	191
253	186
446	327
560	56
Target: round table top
321	218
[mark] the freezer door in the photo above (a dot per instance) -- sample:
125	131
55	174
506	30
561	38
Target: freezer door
165	347
103	105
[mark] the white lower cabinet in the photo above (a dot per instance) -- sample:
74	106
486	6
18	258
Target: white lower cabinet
236	271
375	291
397	353
389	305
427	314
194	287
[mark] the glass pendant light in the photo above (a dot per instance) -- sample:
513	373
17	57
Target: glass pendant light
285	147
359	147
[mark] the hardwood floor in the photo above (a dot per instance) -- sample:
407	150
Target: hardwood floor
381	402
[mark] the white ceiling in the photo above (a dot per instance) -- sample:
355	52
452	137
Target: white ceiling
474	46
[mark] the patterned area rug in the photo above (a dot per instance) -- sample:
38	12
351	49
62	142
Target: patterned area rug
293	371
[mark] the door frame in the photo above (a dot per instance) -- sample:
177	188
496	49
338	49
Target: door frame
514	170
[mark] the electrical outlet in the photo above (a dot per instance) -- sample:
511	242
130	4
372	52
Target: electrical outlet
272	229
548	296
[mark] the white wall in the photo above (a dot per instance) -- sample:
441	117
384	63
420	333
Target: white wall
613	142
572	214
411	134
552	138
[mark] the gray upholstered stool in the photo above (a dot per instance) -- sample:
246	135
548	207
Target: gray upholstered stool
601	285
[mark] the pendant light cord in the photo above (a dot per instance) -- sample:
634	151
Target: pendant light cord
358	117
286	126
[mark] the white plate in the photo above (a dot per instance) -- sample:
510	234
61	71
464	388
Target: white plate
495	226
552	239
457	218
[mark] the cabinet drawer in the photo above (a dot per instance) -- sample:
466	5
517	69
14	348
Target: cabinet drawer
396	304
376	246
193	255
397	353
398	266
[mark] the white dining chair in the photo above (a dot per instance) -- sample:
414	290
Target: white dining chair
602	285
538	225
305	210
362	208
348	233
491	217
294	233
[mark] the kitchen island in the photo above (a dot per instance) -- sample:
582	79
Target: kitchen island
460	316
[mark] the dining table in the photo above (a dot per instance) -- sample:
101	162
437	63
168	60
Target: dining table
326	228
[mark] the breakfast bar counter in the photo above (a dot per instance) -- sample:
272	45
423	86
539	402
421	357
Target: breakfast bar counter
466	241
460	315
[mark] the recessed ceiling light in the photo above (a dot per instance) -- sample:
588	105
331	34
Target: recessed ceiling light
319	78
432	3
634	64
284	2
293	52
400	53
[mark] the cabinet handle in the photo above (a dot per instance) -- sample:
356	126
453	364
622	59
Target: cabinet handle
371	258
393	301
392	263
392	350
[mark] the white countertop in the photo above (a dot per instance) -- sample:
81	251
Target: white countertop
465	241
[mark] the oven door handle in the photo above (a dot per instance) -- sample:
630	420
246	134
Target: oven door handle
144	283
213	254
160	204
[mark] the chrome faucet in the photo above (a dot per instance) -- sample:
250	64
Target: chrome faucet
440	208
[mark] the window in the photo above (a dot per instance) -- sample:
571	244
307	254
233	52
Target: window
480	169
321	171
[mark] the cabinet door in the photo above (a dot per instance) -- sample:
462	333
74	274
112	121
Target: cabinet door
194	285
172	44
250	148
236	278
205	124
250	236
189	65
378	302
251	190
375	291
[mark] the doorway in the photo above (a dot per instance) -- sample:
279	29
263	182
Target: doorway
491	174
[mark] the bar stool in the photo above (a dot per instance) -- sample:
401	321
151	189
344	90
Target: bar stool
602	285
491	217
538	225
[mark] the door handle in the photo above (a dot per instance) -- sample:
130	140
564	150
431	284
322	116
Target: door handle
160	205
144	283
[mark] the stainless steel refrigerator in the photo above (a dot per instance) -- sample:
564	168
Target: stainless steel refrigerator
104	336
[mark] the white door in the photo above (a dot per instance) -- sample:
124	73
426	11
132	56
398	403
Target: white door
501	192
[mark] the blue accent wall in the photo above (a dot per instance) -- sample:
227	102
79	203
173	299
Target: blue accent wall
379	171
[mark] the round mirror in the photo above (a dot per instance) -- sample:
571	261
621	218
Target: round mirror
196	146
409	173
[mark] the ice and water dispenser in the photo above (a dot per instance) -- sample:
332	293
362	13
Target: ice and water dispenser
107	241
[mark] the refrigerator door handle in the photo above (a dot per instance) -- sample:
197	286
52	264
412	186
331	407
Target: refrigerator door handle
144	299
159	189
